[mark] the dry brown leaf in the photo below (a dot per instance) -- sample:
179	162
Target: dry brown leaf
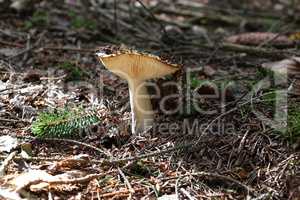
164	166
38	180
7	143
70	175
257	38
29	178
295	36
73	162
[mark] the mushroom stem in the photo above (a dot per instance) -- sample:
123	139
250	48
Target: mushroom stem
141	108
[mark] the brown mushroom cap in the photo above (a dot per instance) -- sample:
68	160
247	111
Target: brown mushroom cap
130	63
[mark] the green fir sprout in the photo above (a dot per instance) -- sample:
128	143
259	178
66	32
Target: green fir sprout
63	123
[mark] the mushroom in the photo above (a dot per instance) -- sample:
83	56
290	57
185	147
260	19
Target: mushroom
136	68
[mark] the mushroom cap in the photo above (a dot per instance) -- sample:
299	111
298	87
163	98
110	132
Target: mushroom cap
128	63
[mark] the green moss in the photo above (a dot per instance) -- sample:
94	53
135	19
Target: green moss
139	168
75	73
39	18
195	82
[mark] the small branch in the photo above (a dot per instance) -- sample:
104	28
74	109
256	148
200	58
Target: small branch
147	155
28	48
207	15
262	52
214	175
256	51
14	88
153	16
64	181
68	49
111	194
131	190
14	120
106	153
79	180
11	44
187	194
226	178
6	162
49	159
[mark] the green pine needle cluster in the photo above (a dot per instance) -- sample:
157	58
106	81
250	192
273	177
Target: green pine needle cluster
63	123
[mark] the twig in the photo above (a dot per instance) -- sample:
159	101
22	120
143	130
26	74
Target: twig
12	34
263	52
28	48
106	153
80	180
153	17
188	195
208	14
9	65
68	49
6	162
14	120
11	44
110	194
264	196
53	78
66	181
147	155
255	51
176	187
110	16
131	190
14	88
226	178
116	16
242	143
49	159
232	11
208	174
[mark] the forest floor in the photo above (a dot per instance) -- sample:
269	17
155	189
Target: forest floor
238	137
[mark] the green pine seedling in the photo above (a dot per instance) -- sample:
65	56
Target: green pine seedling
63	123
